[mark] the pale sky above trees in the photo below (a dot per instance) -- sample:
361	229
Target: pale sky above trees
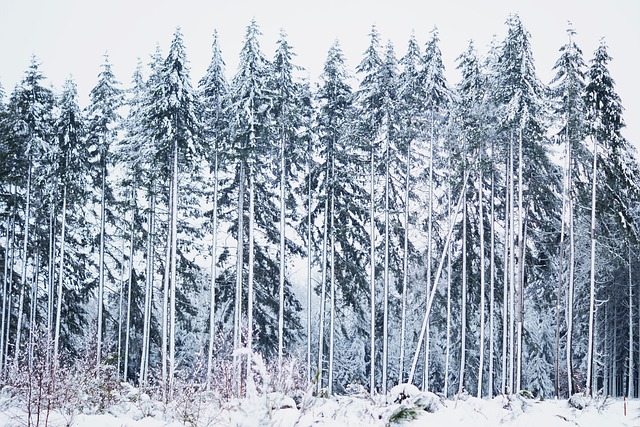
70	37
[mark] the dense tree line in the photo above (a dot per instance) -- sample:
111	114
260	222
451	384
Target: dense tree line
480	235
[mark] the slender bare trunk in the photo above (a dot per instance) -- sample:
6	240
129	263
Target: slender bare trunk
250	277
214	271
237	313
522	227
128	317
332	307
174	244
482	279
592	276
56	340
323	292
372	274
309	261
405	266
463	312
505	280
146	328
101	268
492	281
23	274
425	320
282	256
385	312
631	373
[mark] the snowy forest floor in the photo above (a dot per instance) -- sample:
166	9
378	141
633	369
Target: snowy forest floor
131	408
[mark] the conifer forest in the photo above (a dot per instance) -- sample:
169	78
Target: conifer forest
364	229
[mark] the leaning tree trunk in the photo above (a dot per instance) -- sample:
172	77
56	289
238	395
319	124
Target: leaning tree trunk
425	320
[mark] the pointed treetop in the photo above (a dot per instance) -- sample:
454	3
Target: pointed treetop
371	60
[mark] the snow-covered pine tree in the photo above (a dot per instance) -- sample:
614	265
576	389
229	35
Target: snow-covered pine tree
614	182
289	131
214	91
473	125
67	177
28	125
250	104
171	127
567	89
436	103
340	210
101	131
520	99
409	100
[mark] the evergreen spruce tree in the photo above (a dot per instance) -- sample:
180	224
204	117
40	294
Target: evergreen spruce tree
214	91
340	215
28	131
102	121
613	181
567	90
67	173
520	98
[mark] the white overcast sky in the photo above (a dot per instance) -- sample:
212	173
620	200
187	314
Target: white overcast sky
69	37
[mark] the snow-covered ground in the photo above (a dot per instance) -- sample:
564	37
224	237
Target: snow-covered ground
419	409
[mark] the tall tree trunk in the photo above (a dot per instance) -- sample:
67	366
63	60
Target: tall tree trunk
250	277
482	278
174	244
56	340
385	312
146	327
512	273
463	312
237	312
448	327
592	276
309	261
372	273
5	291
165	300
50	283
631	373
429	283
505	279
332	306
323	291
492	280
522	226
405	266
425	320
556	385
101	268
120	304
572	252
23	274
128	317
214	271
282	257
